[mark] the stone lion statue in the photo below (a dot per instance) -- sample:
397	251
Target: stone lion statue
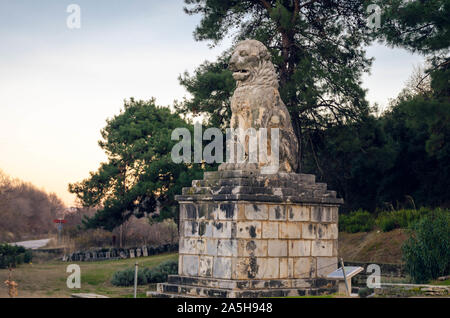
256	103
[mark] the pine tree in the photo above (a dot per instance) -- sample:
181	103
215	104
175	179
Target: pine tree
316	47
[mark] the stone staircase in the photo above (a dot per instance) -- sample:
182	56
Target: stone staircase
189	287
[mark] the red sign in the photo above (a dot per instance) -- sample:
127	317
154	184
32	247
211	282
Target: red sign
59	221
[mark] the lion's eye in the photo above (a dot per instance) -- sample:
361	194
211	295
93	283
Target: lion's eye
243	53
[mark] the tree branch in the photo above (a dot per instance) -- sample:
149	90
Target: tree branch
266	5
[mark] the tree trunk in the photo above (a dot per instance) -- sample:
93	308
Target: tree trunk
121	236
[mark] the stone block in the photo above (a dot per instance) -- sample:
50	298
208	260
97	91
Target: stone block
268	268
249	229
223	229
270	230
304	267
277	212
222	267
286	267
321	248
191	246
324	213
316	213
211	247
225	211
206	266
204	211
325	231
256	212
201	246
299	247
180	264
252	248
190	265
189	211
190	228
290	230
298	212
205	228
327	214
301	283
277	248
227	247
326	265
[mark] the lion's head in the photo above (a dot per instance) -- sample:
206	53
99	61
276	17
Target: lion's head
251	64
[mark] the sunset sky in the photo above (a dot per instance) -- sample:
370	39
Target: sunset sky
59	85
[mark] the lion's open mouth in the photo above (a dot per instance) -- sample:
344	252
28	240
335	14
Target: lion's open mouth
241	74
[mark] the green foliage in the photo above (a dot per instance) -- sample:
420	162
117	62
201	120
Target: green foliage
316	47
11	255
421	26
389	220
370	160
126	277
364	292
357	221
157	274
139	171
426	253
363	221
399	158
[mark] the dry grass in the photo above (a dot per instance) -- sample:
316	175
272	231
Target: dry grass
48	279
376	246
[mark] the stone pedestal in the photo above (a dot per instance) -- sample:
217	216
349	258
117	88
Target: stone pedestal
246	234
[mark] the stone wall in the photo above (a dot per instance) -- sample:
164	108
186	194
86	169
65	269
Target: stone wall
257	240
388	271
119	253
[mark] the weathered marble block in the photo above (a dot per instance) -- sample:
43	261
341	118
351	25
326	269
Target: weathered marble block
232	229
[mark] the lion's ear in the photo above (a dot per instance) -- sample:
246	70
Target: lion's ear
264	55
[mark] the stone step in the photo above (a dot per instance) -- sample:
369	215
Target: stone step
174	290
324	197
252	182
251	283
156	294
227	174
240	190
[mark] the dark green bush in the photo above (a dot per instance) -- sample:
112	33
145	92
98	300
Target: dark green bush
364	292
11	255
363	221
389	220
357	221
157	274
126	277
426	253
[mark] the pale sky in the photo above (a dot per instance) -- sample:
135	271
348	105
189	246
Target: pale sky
59	85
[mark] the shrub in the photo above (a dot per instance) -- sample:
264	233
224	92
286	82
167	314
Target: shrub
126	277
426	253
357	221
11	255
364	292
390	220
157	274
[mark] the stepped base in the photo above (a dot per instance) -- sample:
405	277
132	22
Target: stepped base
188	287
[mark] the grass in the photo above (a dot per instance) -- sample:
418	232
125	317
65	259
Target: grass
49	279
316	296
441	282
